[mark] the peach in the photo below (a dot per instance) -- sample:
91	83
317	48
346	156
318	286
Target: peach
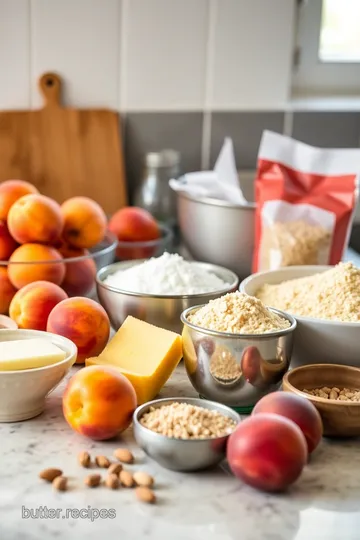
83	321
133	224
85	222
98	402
80	275
7	243
50	265
31	305
267	451
295	408
35	218
10	192
7	290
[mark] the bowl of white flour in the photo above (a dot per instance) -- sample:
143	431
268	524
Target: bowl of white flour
157	290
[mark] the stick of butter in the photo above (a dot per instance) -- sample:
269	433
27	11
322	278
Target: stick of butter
29	354
145	354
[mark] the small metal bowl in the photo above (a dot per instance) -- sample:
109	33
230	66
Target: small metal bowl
179	454
236	369
159	310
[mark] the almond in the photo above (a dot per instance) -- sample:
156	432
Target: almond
146	495
124	455
115	468
60	483
84	459
102	461
143	479
92	480
50	474
126	479
112	481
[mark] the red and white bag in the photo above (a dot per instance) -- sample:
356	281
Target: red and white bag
306	199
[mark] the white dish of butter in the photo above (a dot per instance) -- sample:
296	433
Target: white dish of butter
32	364
29	354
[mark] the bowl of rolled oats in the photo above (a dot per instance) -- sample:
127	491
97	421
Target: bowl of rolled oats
184	434
334	389
325	300
236	350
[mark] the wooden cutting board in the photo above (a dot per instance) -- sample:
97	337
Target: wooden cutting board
64	151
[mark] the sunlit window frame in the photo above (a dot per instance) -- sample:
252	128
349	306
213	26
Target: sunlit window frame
311	75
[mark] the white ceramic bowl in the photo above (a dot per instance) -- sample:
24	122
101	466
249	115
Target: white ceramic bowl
316	341
23	393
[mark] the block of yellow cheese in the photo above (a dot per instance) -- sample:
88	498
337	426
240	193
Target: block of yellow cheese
28	354
145	354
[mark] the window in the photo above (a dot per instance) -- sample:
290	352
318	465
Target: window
328	48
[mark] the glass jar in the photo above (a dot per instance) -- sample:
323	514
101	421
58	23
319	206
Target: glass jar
154	193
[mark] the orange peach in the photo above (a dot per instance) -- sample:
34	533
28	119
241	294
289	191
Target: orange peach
83	321
47	265
7	291
85	222
31	305
7	243
298	409
267	451
80	275
10	192
35	218
98	402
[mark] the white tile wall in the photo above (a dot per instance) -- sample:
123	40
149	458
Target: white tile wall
80	40
166	52
148	54
252	54
14	54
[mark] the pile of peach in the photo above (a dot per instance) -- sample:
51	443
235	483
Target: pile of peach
37	235
270	449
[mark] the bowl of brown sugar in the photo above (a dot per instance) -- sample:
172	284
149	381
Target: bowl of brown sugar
325	300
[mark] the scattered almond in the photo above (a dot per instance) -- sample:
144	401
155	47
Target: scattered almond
115	468
92	480
50	474
124	455
60	483
146	495
102	461
143	479
84	459
126	479
112	481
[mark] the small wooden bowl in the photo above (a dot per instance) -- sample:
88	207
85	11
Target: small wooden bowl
340	418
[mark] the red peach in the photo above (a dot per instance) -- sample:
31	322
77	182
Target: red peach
85	222
83	321
35	219
7	291
7	243
80	275
10	192
98	402
50	269
133	224
32	305
295	408
267	451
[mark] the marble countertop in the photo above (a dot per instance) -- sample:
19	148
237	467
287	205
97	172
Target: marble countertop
212	505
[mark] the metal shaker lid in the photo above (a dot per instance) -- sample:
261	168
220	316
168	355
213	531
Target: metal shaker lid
164	158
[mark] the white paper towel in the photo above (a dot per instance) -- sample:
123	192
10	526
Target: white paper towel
221	183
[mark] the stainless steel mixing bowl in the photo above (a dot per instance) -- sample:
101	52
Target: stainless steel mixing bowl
218	232
236	369
162	311
179	454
